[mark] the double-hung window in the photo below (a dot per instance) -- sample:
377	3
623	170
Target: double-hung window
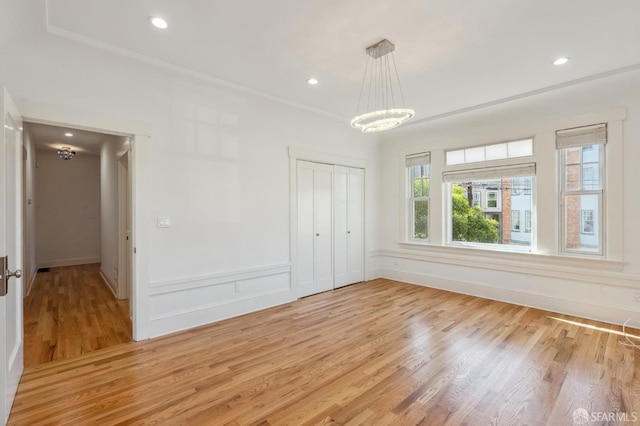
418	166
582	152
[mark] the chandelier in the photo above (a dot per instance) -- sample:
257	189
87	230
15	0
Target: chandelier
382	112
65	153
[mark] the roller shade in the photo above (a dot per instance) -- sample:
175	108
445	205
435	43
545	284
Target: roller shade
582	136
520	170
418	159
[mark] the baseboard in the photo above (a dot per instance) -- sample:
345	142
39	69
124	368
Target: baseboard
68	262
107	283
373	274
31	281
598	312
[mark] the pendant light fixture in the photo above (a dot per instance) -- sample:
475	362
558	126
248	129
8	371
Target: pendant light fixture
384	107
66	153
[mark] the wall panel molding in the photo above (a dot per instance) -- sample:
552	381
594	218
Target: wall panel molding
169	286
606	272
182	304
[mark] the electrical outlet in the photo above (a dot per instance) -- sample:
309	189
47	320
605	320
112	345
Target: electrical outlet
636	296
238	288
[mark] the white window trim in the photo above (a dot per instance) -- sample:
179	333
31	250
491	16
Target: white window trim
513	229
602	205
477	201
498	206
545	236
410	214
529	222
582	222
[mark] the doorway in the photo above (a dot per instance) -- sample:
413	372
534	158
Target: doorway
77	200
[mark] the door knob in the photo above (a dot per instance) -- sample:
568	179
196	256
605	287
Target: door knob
348	232
17	273
318	234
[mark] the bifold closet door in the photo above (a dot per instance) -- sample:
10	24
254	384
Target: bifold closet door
349	225
315	228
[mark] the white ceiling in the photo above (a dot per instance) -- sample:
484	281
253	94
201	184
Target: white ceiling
451	55
50	137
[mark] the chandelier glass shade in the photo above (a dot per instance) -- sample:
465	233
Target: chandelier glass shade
66	153
384	107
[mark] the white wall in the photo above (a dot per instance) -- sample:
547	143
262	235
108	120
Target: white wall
29	263
592	288
109	150
218	166
67	209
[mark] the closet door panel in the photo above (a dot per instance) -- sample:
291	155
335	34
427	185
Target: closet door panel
356	226
306	232
324	227
341	200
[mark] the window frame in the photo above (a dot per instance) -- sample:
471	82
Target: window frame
528	221
583	221
477	200
498	200
516	214
412	200
563	193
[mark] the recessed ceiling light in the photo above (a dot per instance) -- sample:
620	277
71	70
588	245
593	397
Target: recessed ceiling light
158	22
312	81
68	134
561	61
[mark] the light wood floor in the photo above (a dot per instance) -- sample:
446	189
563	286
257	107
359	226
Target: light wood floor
380	352
69	312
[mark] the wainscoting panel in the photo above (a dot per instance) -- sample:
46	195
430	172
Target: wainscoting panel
604	301
176	305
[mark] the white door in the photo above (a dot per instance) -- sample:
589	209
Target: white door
349	225
324	227
315	228
11	333
341	198
355	231
306	229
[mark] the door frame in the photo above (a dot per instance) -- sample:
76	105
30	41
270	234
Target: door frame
124	220
296	154
35	112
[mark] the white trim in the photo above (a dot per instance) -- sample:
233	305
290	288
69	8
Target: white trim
82	119
202	315
181	70
170	286
33	280
296	154
598	312
140	240
108	283
54	263
326	158
600	271
38	112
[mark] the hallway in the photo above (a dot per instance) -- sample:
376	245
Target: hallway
70	311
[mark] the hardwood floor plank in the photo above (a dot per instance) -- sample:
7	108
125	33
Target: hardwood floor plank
70	312
380	352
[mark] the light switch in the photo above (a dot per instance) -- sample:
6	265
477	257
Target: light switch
164	222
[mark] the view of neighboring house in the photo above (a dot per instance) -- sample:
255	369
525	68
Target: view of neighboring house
509	202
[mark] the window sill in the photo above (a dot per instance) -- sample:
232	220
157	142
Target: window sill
509	260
